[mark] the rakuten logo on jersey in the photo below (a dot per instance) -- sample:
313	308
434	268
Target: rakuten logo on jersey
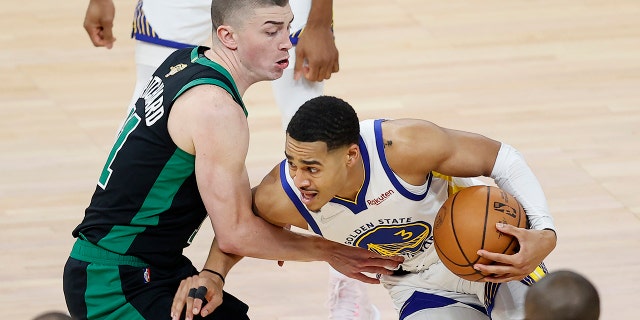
378	200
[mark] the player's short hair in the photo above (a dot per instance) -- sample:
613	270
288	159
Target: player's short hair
562	295
327	119
223	10
53	315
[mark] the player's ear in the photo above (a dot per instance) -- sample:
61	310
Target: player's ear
225	34
353	154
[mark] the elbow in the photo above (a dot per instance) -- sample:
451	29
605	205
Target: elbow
229	245
237	242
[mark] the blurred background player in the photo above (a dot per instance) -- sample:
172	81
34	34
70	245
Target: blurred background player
162	26
52	315
562	295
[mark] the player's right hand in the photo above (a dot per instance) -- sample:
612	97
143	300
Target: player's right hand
195	291
98	22
353	261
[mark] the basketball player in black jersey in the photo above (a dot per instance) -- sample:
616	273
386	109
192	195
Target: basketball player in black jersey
180	157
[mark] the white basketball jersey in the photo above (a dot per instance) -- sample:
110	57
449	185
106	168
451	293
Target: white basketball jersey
389	216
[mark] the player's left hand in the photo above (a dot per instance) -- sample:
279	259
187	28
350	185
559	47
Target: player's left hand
316	54
535	245
193	292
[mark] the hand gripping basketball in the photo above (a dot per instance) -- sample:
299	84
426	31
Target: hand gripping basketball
467	222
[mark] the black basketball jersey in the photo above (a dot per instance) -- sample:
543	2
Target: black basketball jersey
147	203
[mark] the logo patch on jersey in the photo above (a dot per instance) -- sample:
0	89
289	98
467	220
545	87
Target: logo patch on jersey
400	239
380	198
147	275
325	218
175	69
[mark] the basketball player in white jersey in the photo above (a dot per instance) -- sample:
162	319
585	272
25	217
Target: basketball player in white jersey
378	184
162	26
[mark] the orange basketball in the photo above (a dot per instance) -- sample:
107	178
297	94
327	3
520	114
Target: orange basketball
466	223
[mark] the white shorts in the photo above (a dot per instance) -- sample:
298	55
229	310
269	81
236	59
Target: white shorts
437	293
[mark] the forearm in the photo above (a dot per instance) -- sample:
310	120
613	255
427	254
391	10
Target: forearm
512	174
256	238
321	14
219	261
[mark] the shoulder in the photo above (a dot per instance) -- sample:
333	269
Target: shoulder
413	146
209	98
205	103
205	113
412	137
408	128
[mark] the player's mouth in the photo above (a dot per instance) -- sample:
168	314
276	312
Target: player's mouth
307	196
283	64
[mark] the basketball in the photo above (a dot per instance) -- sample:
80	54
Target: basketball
466	223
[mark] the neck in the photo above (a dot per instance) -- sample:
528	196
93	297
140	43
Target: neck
228	61
355	178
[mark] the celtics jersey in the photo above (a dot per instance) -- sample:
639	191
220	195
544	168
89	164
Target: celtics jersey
147	203
389	216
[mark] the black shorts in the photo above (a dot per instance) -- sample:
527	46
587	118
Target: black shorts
112	287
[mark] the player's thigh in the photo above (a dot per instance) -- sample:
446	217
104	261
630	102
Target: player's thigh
155	299
423	306
74	286
99	291
448	313
508	301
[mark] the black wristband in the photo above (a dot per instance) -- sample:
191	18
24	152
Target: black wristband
214	272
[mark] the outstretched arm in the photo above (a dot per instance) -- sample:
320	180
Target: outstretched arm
98	22
221	147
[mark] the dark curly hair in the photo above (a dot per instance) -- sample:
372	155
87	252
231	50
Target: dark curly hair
327	119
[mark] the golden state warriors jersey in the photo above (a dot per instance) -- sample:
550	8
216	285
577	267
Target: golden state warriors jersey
389	215
173	24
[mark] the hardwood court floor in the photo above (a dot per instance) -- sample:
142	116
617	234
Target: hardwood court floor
559	80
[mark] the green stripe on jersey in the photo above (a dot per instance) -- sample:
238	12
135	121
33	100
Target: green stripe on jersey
179	167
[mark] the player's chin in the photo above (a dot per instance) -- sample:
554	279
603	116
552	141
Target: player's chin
275	74
312	203
314	207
